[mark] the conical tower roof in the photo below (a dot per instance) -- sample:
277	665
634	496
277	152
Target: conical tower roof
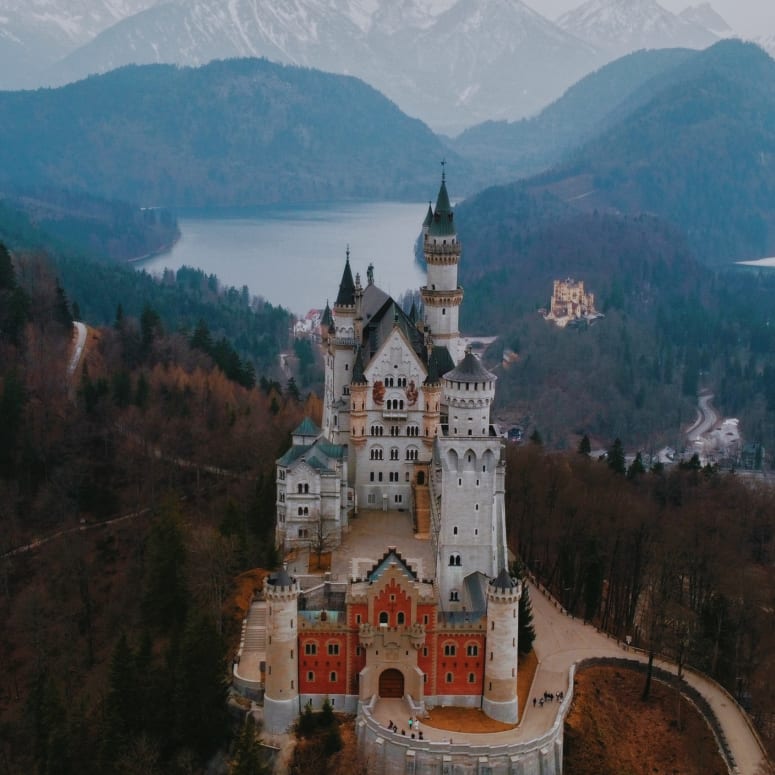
470	369
443	217
327	318
428	217
359	377
503	581
346	295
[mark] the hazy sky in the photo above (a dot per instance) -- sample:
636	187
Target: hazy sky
747	17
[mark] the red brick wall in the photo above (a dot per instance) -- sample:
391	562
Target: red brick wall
460	665
322	664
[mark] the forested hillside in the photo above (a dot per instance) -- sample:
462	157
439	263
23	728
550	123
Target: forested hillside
117	635
700	153
679	560
237	132
183	300
509	150
78	222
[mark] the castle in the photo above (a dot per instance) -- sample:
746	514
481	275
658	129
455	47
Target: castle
406	437
569	302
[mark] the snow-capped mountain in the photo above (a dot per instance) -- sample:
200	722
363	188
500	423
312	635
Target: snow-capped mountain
621	26
767	42
36	33
450	62
705	15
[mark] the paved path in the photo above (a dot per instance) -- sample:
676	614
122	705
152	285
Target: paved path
78	345
706	418
562	641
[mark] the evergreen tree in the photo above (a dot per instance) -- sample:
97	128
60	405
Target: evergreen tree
13	399
527	633
636	467
201	721
616	457
584	446
150	327
166	597
122	389
535	437
293	390
248	758
141	392
121	702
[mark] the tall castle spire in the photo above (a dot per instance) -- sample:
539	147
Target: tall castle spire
441	294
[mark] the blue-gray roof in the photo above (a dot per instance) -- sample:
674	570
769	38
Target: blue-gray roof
307	428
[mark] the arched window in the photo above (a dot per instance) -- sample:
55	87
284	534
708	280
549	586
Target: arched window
301	513
400	617
383	617
306	489
454	530
301	489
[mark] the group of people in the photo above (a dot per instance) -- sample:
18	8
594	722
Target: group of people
414	728
548	697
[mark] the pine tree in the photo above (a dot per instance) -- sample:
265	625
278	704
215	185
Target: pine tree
636	467
248	759
527	633
584	446
165	598
616	457
201	721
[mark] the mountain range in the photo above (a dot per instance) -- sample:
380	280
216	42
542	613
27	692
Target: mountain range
452	63
232	133
693	146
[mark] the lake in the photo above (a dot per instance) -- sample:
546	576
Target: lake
294	256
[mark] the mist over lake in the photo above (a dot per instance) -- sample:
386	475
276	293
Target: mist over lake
294	256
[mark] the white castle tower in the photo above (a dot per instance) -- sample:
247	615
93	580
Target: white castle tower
442	296
341	355
472	528
499	699
281	691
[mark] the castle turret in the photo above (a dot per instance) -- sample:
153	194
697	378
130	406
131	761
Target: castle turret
359	388
281	694
341	352
441	295
469	390
474	539
499	700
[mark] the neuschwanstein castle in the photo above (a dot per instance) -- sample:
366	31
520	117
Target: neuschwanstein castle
406	435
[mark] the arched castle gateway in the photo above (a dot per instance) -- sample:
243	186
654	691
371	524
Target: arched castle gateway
405	481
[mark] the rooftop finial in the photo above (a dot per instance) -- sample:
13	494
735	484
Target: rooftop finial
348	251
443	171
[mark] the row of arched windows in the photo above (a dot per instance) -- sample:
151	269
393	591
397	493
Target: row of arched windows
303	489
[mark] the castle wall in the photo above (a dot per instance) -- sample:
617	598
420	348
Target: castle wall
394	754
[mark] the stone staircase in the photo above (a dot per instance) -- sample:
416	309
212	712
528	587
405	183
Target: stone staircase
255	628
422	511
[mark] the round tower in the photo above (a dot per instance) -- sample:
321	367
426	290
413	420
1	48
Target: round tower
469	390
341	351
441	295
281	692
359	388
499	699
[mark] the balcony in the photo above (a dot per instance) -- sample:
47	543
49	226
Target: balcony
395	414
